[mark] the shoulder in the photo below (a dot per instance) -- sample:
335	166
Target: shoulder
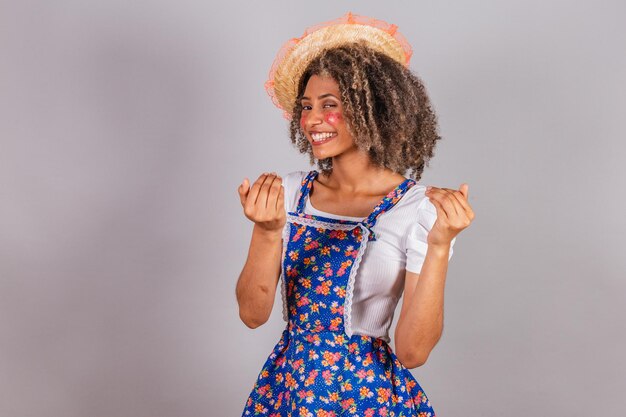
418	209
292	181
294	177
414	201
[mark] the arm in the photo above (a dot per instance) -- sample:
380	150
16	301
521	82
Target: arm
263	203
256	286
421	317
420	324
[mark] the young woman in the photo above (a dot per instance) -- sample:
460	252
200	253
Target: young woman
346	241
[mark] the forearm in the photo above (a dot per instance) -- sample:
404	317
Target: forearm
420	327
256	286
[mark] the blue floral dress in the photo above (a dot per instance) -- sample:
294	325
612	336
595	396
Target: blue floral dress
318	368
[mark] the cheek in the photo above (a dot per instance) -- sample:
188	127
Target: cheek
303	121
333	118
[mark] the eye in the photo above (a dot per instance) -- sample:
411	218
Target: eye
306	107
330	105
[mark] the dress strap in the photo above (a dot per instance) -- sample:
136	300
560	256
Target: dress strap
305	187
389	201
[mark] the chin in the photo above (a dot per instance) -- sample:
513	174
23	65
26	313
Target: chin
324	155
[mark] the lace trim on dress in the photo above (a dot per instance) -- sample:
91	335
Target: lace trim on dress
283	287
347	308
311	221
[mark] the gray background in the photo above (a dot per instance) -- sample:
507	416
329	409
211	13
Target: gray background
126	128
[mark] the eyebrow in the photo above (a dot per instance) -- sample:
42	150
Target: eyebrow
320	97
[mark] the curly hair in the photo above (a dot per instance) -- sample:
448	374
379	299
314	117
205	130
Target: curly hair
385	105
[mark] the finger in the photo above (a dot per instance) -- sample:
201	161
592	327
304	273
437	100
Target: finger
443	197
434	199
280	201
441	212
264	194
256	189
458	209
461	200
464	211
274	191
462	194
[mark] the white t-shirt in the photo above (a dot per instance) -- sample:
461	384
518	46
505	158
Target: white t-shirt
401	234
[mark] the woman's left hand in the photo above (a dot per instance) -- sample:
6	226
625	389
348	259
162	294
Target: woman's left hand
453	213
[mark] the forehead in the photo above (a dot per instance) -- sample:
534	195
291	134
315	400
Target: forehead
318	85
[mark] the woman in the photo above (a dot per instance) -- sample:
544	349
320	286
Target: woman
358	111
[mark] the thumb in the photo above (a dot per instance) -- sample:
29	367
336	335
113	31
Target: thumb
243	189
464	189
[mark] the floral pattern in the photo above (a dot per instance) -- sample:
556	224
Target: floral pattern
318	368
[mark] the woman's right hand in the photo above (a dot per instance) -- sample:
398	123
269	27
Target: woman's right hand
263	203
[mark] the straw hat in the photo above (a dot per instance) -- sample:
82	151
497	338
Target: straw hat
294	56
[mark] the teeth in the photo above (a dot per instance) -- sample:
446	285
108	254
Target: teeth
321	136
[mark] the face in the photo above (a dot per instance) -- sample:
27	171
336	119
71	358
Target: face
322	118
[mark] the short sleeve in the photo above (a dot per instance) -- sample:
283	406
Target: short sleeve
417	237
291	184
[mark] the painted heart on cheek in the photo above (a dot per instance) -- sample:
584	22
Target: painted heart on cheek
333	118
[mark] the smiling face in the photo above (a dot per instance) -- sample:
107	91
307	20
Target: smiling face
322	118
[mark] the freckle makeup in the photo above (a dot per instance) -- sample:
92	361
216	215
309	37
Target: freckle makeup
332	118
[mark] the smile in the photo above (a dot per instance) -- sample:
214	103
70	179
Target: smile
322	137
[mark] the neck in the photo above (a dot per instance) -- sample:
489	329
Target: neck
354	173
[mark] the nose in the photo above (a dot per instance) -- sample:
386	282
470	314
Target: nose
314	118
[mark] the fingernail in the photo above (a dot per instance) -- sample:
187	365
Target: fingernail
428	188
